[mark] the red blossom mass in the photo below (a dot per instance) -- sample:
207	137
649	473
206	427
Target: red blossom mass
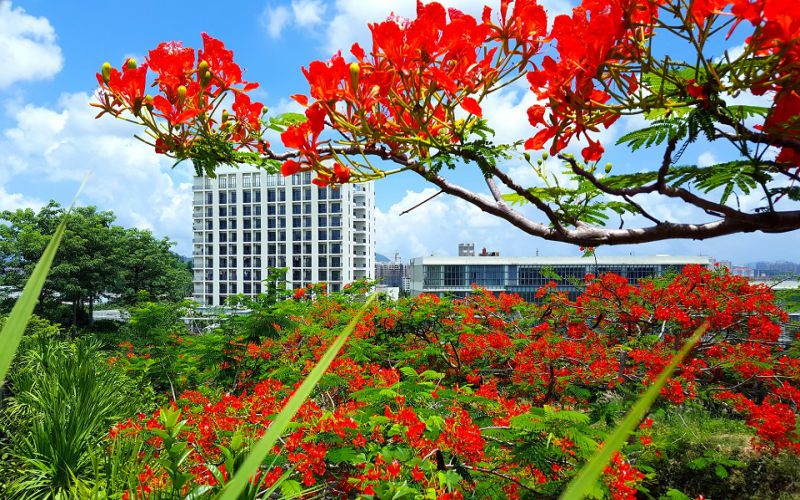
474	379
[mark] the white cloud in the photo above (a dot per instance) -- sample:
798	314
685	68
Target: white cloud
57	146
28	49
15	201
308	12
275	19
706	159
438	225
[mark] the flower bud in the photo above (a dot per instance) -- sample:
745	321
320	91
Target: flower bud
105	70
608	167
527	156
545	156
205	78
355	71
131	63
225	115
202	67
181	94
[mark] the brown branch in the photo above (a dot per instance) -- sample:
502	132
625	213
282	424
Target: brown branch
426	200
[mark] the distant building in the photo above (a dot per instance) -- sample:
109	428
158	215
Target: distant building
466	249
525	275
747	272
390	274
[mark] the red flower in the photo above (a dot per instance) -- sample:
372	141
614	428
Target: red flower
471	106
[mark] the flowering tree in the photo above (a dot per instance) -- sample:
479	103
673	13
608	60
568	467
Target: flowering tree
413	102
481	397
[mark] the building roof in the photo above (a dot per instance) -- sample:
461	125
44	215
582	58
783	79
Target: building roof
667	260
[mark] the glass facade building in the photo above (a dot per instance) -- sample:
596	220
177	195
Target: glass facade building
525	275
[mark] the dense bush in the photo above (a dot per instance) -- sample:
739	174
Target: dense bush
63	398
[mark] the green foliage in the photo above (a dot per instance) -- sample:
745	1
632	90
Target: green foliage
65	396
703	453
96	259
584	482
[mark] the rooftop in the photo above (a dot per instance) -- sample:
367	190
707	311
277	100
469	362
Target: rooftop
565	261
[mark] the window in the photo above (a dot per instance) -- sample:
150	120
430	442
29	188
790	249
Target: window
232	180
256	180
322	234
454	276
223	198
246	180
232	196
247	196
247	211
223	182
223	224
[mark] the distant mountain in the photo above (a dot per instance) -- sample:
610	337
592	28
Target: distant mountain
381	258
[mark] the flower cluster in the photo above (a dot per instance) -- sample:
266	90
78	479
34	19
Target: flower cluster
189	88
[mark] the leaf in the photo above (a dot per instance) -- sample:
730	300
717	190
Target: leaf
290	488
721	471
263	446
660	131
11	335
674	494
409	372
339	455
587	477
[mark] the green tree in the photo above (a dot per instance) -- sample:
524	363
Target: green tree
96	259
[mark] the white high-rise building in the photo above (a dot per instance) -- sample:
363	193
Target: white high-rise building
247	220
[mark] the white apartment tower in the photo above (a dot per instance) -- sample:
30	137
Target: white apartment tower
247	220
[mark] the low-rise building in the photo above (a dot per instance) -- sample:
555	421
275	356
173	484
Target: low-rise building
525	275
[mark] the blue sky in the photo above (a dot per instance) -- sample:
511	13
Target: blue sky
50	51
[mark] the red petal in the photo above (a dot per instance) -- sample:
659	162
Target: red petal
300	99
471	106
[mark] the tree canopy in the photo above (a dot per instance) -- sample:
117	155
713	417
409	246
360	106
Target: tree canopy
413	101
96	259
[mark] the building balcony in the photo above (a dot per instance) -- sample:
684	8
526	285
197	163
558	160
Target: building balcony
198	188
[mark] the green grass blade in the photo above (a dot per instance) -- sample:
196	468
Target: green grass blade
262	447
15	325
582	484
